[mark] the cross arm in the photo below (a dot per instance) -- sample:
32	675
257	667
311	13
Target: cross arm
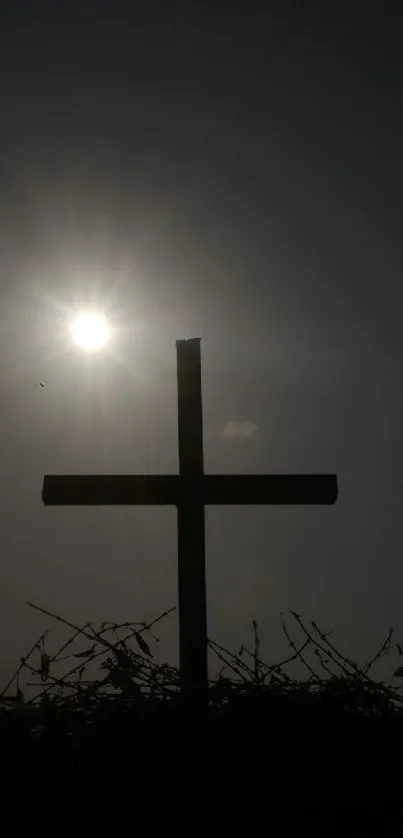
168	490
109	490
271	489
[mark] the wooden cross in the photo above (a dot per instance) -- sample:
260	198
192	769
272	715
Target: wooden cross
190	491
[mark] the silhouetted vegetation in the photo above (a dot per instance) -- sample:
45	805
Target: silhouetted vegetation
340	719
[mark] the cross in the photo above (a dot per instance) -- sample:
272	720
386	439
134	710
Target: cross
190	491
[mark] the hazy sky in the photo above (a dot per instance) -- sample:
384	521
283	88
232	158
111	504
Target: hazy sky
225	171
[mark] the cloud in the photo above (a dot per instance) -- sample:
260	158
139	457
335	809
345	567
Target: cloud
241	429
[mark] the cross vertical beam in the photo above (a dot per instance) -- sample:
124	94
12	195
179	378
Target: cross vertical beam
191	526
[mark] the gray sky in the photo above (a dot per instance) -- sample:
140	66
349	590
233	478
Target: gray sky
230	175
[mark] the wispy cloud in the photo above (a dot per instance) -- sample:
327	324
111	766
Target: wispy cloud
241	429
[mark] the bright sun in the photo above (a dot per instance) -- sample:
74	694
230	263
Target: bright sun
90	331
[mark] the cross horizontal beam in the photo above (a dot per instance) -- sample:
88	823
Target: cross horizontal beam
177	490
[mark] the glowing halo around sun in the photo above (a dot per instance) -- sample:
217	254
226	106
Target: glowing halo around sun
90	331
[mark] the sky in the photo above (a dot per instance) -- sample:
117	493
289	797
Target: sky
225	171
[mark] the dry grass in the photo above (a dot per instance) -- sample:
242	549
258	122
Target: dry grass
101	700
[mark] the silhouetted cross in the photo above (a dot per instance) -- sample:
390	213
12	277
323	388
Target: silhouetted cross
190	492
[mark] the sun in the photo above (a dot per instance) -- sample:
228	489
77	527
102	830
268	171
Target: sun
90	331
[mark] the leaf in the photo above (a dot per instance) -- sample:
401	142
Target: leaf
20	696
399	672
119	678
142	643
86	653
45	666
123	659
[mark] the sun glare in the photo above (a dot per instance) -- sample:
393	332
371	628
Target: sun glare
90	331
